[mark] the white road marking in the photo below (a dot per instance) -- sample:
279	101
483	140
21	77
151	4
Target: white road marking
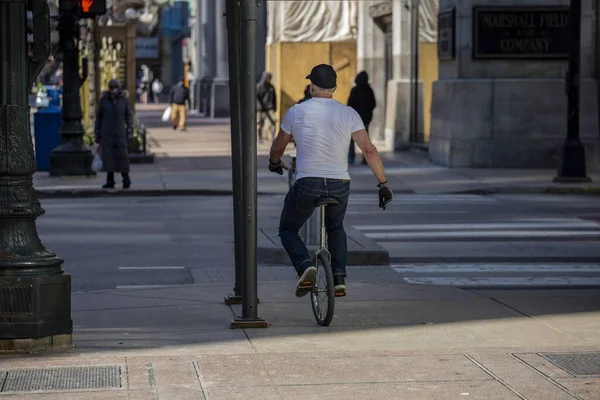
503	225
505	281
496	267
479	234
150	268
147	286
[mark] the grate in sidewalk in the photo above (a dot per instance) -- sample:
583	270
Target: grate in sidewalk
63	378
578	364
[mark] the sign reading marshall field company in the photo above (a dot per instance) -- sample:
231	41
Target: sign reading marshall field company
520	32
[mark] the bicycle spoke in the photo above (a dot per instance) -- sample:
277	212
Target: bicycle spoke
321	297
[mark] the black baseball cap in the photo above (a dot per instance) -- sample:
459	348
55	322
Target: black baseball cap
323	76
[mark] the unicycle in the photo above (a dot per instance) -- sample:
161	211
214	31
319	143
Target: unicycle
322	295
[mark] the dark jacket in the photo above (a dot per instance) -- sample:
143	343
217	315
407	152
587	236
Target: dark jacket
362	98
179	94
266	99
114	123
307	95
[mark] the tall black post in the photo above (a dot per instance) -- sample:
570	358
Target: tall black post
35	294
573	168
249	318
414	94
232	12
71	157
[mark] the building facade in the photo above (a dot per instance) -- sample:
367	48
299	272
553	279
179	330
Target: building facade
500	100
484	85
303	34
209	57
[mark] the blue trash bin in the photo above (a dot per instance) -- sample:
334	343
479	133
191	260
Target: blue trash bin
54	96
46	125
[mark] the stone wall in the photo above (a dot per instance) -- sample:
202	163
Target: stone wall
509	113
370	48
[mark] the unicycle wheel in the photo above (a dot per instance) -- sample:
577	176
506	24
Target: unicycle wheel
323	294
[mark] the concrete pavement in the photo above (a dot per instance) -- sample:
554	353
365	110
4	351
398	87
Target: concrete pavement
150	275
386	341
198	162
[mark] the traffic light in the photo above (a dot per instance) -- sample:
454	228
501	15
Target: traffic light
92	8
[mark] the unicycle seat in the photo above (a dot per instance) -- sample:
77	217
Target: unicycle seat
326	201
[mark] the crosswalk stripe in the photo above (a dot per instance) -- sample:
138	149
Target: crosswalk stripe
501	225
483	234
505	281
496	267
426	198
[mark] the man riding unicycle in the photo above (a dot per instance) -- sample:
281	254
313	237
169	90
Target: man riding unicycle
322	129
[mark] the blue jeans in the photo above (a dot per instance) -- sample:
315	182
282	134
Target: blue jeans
298	207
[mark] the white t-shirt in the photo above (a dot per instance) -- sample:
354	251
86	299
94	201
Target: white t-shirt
322	129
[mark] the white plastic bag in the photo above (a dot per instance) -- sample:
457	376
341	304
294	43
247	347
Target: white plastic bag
167	114
97	163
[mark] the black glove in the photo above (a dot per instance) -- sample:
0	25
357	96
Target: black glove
385	195
277	168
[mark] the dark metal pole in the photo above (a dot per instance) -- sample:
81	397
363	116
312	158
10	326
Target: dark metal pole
573	168
414	101
232	12
71	157
249	318
35	294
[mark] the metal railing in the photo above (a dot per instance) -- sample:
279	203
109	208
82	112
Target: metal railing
310	230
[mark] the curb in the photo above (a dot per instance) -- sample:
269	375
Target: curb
361	251
92	193
366	257
586	190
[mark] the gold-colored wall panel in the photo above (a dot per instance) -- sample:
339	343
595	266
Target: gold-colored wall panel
343	59
289	63
428	73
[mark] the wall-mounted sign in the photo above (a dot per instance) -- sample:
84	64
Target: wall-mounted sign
447	35
521	32
146	47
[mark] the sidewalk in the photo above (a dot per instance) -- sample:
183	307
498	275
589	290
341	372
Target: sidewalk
198	162
387	340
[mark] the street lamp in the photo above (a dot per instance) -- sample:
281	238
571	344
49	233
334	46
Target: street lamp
573	168
71	157
35	294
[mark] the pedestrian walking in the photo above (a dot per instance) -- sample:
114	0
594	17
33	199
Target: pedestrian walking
266	105
144	92
361	99
157	88
179	98
114	128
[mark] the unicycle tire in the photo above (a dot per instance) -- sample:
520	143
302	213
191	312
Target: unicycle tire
322	297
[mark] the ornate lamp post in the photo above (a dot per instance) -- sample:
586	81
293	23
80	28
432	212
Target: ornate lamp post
35	294
71	157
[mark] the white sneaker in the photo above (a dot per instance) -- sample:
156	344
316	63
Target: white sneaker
306	282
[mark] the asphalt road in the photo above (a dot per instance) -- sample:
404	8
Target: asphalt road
463	240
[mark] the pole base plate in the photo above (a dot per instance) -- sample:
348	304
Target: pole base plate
248	323
233	299
76	163
26	346
572	167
